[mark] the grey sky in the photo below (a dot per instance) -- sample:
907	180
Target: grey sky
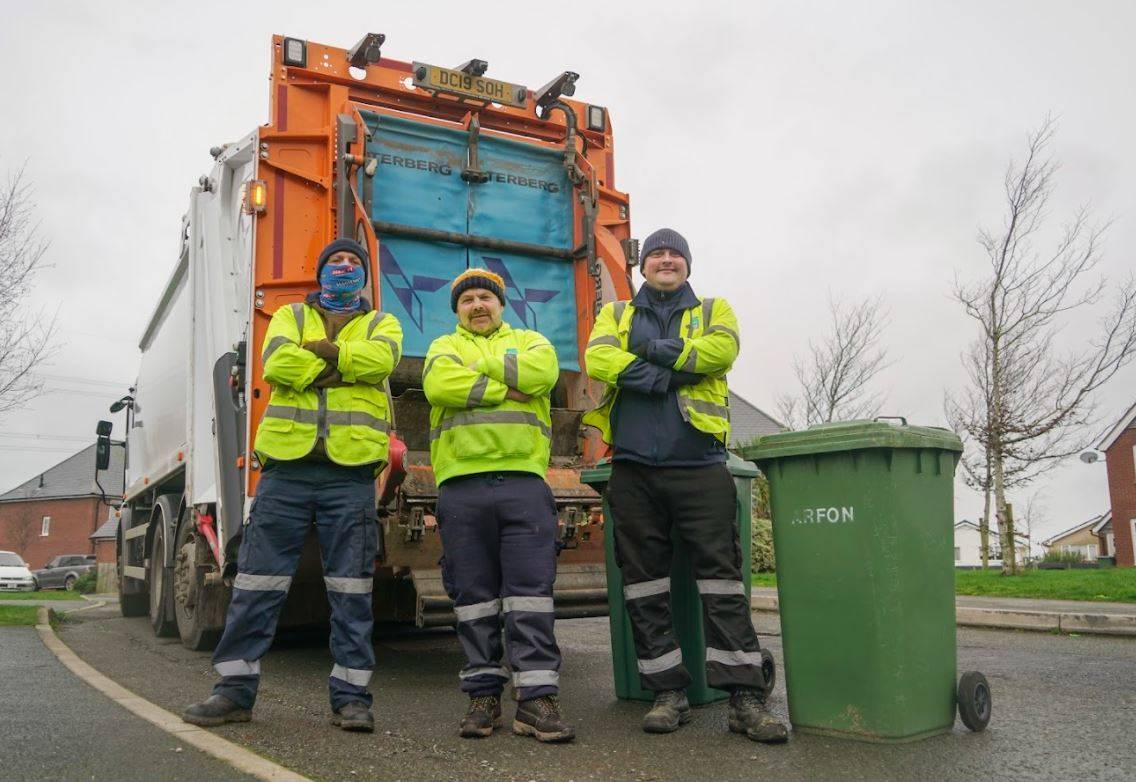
801	148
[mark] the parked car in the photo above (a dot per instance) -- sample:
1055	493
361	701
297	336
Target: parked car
14	573
63	571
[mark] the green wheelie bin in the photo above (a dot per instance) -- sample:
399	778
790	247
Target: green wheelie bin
863	530
686	605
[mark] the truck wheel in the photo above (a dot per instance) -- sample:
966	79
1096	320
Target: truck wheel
974	702
161	586
199	609
768	672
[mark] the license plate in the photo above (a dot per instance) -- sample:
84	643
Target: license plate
435	79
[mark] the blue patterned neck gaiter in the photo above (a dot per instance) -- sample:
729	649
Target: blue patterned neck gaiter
340	286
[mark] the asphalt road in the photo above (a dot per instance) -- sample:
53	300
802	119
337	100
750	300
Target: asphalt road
1065	708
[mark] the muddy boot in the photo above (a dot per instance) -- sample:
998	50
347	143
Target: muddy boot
215	710
354	716
483	716
749	715
671	709
540	717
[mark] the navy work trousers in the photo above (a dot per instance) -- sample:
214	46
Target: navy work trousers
499	544
285	507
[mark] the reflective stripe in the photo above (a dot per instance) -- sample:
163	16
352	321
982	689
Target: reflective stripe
356	676
511	370
691	360
617	310
298	313
357	418
472	417
725	329
539	605
707	312
667	661
490	670
708	408
349	586
290	413
391	343
238	668
430	363
720	586
477	392
254	583
273	345
732	658
607	339
660	586
375	321
535	678
478	610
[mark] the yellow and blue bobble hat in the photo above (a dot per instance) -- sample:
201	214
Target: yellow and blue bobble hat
476	278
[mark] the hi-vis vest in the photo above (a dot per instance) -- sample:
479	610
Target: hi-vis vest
473	427
353	420
710	335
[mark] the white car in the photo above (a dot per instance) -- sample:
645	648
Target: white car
14	573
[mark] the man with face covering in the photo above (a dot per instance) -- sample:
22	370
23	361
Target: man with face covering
323	438
664	357
490	437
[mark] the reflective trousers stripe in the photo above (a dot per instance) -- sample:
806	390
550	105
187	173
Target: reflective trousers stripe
478	417
732	658
541	605
356	676
349	586
660	586
498	671
478	610
254	583
238	668
720	586
659	664
536	678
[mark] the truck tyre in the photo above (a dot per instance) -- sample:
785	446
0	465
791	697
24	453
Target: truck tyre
161	586
199	609
133	600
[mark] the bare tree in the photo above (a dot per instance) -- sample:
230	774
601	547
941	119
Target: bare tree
25	338
21	528
1028	407
835	378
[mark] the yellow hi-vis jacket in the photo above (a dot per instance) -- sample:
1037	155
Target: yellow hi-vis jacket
353	420
709	332
473	427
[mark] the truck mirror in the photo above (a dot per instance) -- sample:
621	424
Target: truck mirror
102	446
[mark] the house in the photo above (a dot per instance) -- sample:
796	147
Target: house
57	511
748	422
1082	539
968	546
105	540
1103	531
1119	447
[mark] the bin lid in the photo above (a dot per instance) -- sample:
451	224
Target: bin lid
850	436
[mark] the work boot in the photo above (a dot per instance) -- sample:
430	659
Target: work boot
540	717
749	715
671	709
215	710
483	716
354	716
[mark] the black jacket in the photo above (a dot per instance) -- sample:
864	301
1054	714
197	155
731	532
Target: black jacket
647	426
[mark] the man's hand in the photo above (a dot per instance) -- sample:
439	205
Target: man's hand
325	349
517	396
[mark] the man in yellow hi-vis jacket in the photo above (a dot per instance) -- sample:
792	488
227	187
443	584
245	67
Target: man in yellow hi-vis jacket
323	437
490	439
664	357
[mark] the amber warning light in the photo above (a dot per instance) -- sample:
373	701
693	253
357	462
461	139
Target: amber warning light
256	197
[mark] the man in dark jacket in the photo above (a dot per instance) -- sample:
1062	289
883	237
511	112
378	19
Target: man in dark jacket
664	356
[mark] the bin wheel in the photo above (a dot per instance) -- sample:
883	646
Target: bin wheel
768	672
974	701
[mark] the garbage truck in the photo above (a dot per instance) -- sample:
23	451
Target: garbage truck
434	168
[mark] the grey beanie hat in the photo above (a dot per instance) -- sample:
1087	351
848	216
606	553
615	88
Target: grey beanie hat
665	238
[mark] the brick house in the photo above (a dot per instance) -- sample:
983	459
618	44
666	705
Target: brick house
57	511
1119	447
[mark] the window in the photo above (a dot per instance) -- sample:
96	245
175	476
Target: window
46	528
958	554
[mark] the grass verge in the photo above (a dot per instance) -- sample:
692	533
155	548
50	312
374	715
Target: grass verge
17	615
43	594
1114	585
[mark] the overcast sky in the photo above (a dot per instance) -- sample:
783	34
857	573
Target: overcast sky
802	148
